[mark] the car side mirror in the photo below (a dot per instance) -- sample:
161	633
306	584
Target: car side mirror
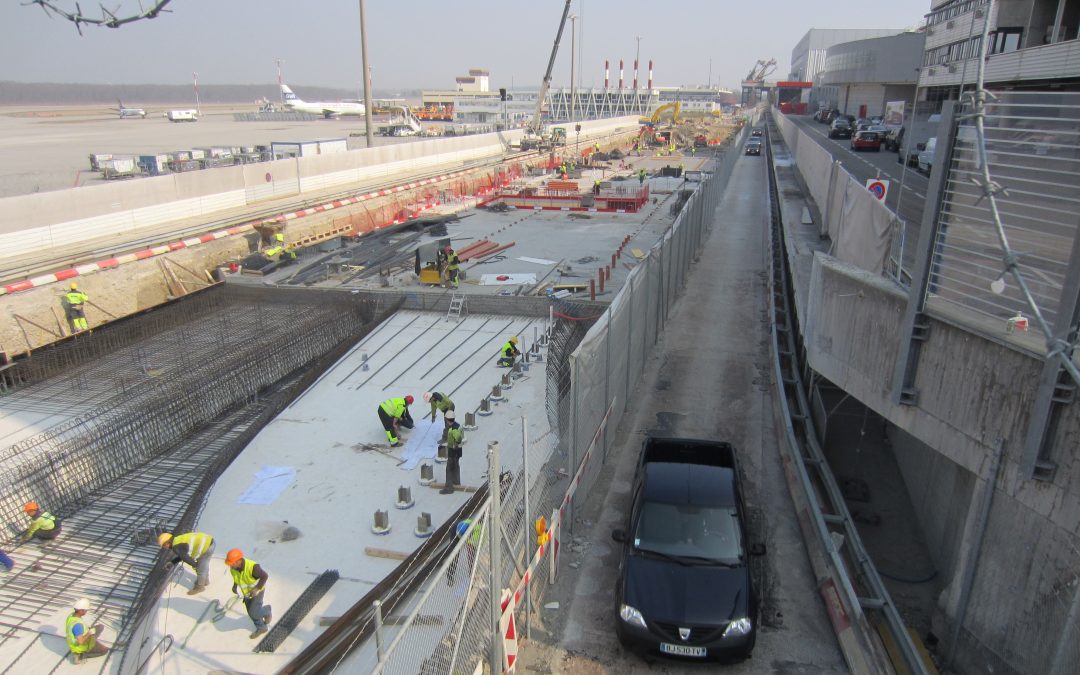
757	549
920	146
619	536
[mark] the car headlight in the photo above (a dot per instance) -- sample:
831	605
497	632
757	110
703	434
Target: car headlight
631	616
736	627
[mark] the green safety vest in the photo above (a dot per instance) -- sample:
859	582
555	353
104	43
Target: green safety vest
455	436
443	404
452	262
477	532
72	641
45	522
508	349
197	542
244	578
394	407
76	298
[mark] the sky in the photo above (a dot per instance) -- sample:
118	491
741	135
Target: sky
414	44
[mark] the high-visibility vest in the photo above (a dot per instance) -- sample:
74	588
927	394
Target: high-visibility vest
197	542
477	532
72	641
442	404
76	298
455	436
394	407
509	349
452	261
44	523
244	578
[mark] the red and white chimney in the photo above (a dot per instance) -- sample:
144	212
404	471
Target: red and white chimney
606	72
635	74
650	74
620	74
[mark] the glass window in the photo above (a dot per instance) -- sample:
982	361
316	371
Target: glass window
685	530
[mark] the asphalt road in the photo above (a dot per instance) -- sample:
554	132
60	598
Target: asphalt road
907	187
709	377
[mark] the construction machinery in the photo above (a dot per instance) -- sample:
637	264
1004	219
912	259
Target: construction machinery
650	133
532	137
755	79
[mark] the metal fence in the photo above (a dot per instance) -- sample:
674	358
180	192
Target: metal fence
594	358
1033	151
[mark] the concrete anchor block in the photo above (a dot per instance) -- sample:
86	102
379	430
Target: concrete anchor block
515	372
423	525
485	408
427	474
470	422
381	525
496	393
404	498
363	361
506	382
440	454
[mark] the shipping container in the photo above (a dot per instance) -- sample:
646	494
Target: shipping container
154	165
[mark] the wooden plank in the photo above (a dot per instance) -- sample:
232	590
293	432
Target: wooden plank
385	553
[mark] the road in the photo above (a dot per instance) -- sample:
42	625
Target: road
907	187
709	377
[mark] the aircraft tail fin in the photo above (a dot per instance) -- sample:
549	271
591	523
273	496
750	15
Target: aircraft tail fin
288	95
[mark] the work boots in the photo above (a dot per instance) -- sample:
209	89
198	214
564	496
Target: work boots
195	590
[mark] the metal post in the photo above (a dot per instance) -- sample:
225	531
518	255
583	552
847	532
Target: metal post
607	374
629	335
495	583
528	519
368	122
378	630
571	450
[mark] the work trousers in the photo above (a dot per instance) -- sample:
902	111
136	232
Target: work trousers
78	317
388	424
453	467
453	274
257	612
202	566
48	535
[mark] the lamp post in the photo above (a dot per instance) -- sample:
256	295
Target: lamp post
198	109
281	92
573	43
369	132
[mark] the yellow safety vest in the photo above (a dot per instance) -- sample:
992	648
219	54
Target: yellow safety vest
72	641
508	349
45	523
76	298
394	407
452	262
244	578
197	542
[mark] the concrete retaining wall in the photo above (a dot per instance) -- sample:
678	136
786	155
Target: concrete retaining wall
973	392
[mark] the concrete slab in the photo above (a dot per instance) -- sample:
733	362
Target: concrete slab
331	437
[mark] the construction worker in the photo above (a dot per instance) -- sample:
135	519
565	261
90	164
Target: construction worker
596	148
43	524
194	548
509	352
394	412
74	300
641	177
82	641
440	403
453	265
455	436
249	581
596	187
469	550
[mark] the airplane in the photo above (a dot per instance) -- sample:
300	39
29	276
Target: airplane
128	112
327	109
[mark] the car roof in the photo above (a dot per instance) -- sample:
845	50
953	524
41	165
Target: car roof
671	483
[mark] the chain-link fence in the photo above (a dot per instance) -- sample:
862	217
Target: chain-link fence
594	357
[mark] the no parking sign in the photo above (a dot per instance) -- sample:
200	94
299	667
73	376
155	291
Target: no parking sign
878	187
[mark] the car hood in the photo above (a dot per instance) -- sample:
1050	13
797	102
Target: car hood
685	594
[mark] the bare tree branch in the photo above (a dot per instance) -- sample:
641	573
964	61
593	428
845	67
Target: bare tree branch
108	18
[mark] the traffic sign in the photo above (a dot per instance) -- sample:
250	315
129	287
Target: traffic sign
878	187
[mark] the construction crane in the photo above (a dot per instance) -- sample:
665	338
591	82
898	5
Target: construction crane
532	138
756	78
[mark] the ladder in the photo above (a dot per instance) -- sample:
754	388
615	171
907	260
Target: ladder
457	306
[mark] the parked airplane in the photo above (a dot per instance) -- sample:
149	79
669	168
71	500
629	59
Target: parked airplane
324	108
129	112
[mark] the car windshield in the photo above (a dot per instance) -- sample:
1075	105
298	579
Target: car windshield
685	531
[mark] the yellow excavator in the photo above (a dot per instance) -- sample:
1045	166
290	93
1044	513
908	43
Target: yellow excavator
648	132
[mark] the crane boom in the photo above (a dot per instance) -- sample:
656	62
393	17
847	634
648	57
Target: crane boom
534	126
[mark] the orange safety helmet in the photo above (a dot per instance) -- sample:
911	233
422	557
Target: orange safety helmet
234	556
408	399
30	507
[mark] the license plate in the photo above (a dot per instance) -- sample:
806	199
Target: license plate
681	650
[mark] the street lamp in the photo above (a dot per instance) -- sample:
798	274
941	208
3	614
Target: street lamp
573	42
198	109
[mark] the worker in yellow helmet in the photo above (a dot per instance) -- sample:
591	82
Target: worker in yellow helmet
249	582
193	548
509	352
43	524
81	640
74	300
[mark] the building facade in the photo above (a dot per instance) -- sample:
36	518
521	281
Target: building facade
808	56
860	77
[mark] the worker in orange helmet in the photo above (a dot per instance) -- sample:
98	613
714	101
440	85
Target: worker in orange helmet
249	582
394	413
43	524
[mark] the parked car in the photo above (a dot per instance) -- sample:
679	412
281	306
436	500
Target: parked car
926	156
917	133
859	121
866	140
829	116
840	128
684	586
753	146
877	119
893	138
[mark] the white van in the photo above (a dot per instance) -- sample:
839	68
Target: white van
926	155
182	116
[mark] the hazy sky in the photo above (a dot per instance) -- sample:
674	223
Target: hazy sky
423	43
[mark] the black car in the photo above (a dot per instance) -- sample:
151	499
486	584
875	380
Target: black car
684	587
840	128
753	146
756	132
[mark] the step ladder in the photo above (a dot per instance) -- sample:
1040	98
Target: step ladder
457	306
